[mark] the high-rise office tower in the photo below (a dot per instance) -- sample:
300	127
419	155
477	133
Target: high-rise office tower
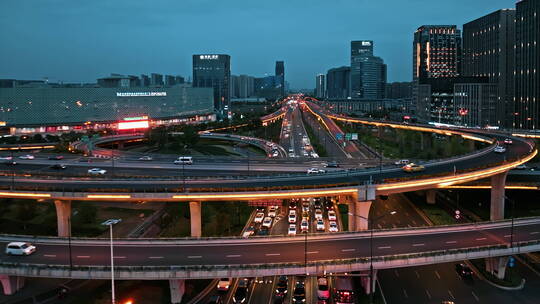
145	80
214	71
280	76
320	86
368	73
436	51
527	65
156	79
338	83
488	51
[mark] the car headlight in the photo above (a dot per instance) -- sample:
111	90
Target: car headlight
243	300
303	300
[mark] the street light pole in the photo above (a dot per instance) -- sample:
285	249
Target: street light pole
110	223
512	225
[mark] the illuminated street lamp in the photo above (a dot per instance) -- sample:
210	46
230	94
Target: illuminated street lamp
110	223
371	223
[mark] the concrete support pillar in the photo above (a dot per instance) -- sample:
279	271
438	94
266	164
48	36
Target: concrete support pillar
11	284
177	287
368	285
431	196
498	183
195	219
358	215
63	217
497	266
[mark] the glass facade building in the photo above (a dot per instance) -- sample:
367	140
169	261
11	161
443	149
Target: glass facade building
214	71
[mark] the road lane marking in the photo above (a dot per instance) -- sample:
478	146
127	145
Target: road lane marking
83	256
119	257
396	273
451	294
417	274
50	255
437	274
405	294
428	294
273	254
385	247
194	256
312	252
475	296
418	245
481	239
347	250
414	222
451	242
155	257
233	255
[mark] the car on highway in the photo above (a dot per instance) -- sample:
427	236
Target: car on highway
499	149
412	167
184	160
508	141
249	231
97	171
332	227
56	157
318	214
291	154
58	167
521	167
402	162
263	231
299	293
331	164
304	225
267	222
146	158
9	162
320	225
323	291
292	230
27	156
6	158
464	271
292	205
292	218
315	171
275	153
272	211
259	217
240	296
331	215
20	248
215	299
224	284
281	287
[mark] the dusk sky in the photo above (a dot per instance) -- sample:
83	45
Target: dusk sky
79	41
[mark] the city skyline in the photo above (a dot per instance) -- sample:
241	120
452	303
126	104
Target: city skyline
66	38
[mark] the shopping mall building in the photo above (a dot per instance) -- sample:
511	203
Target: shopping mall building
28	107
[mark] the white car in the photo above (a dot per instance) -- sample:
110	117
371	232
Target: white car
402	162
20	248
27	156
272	212
259	217
499	149
320	225
146	158
323	291
333	227
6	158
267	222
224	284
318	214
315	171
292	211
508	141
304	226
331	215
292	218
97	171
292	230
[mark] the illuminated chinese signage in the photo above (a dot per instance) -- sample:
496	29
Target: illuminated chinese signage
209	57
140	94
366	43
130	123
